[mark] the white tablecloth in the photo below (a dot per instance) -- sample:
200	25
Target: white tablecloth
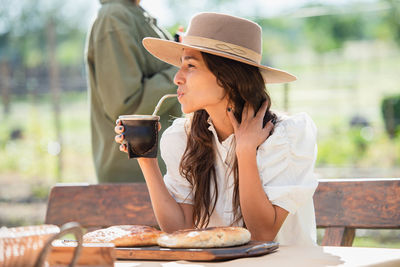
295	256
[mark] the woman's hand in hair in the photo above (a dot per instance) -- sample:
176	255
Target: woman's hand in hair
250	133
119	138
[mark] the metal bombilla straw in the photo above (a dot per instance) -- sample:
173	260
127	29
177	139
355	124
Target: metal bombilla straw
161	101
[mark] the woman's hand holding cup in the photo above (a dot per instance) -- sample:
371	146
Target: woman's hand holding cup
120	137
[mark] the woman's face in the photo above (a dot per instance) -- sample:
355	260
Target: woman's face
197	86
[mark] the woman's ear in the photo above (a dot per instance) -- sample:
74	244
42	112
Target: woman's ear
230	105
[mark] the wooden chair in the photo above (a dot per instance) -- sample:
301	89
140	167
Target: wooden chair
100	205
341	206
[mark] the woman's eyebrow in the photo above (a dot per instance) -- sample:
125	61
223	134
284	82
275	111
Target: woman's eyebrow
189	57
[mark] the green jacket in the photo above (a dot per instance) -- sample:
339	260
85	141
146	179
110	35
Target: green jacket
124	79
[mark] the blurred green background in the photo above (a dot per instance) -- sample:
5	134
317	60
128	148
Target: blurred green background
346	55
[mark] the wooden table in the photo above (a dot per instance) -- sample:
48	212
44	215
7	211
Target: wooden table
295	256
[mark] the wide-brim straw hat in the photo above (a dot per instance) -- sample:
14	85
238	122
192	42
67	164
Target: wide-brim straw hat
222	35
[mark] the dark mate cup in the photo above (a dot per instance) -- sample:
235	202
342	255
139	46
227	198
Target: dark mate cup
141	135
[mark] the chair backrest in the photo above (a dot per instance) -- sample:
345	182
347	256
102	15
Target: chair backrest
100	205
343	205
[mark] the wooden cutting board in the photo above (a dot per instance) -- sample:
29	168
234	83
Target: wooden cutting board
253	248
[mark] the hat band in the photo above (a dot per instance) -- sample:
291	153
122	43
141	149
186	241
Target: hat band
223	47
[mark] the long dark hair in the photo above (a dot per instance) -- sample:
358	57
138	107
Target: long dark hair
242	83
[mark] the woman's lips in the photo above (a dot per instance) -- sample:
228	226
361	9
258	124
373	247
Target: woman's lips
180	94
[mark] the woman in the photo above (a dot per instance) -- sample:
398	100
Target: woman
221	168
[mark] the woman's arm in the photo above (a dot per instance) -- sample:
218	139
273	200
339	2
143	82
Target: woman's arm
262	218
171	216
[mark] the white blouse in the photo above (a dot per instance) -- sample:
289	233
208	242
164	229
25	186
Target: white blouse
286	165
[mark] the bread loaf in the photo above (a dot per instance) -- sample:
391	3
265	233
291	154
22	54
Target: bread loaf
124	235
206	238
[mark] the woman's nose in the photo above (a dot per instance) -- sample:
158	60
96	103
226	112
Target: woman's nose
179	79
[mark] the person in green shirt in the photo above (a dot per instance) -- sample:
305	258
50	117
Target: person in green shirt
124	79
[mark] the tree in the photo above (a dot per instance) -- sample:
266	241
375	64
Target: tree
4	73
330	32
392	19
31	34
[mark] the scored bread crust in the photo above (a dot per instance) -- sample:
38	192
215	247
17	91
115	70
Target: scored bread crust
124	235
205	238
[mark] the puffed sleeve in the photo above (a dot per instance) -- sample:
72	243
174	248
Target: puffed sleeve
172	146
286	162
